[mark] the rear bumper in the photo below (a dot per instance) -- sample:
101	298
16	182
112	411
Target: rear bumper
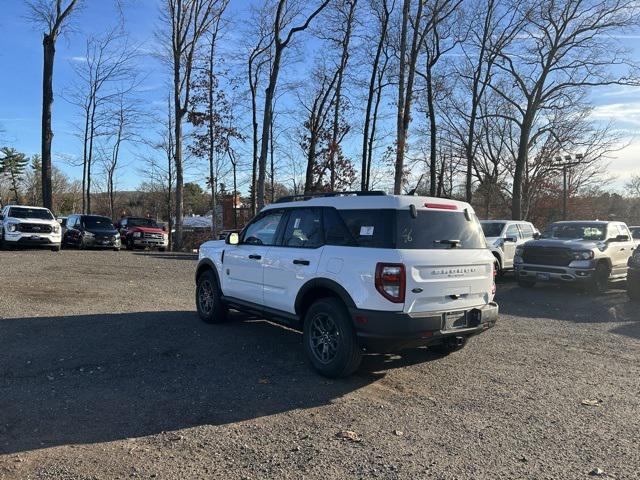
390	331
544	273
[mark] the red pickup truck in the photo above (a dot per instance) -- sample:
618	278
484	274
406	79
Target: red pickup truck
138	232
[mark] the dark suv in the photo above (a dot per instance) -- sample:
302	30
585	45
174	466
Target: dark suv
91	231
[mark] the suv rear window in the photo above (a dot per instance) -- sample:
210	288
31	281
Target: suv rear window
438	230
390	228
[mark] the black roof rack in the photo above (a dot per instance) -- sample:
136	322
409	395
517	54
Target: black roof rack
308	196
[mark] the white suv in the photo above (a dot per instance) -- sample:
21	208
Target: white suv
367	271
29	226
504	236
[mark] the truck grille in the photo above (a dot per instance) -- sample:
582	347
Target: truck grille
34	228
559	257
153	236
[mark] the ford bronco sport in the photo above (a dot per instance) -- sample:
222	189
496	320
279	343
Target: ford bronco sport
359	271
590	253
23	226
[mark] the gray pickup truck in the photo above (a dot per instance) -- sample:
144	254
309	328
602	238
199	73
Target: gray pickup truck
590	253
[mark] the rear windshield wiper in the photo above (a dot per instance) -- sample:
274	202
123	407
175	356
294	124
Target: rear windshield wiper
451	243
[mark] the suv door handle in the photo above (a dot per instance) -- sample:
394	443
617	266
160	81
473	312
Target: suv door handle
255	257
301	262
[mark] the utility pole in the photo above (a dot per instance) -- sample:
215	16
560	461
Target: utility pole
565	163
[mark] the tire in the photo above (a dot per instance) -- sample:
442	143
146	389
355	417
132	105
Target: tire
162	249
499	271
633	289
329	339
526	283
448	347
599	282
208	302
129	244
55	249
116	249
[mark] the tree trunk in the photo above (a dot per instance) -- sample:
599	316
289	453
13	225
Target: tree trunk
433	167
254	163
92	134
49	48
266	126
400	132
366	144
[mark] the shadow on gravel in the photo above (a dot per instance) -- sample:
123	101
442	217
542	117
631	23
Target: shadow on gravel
168	256
97	378
572	304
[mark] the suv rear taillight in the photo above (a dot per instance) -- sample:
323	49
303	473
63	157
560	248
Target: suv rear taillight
391	281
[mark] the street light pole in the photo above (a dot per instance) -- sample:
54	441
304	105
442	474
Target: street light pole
565	163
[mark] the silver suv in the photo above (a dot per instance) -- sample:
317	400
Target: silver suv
587	252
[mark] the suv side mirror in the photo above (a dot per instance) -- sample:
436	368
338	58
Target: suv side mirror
511	239
536	236
232	239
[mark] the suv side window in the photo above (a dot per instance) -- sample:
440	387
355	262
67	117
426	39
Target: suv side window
335	231
527	230
263	230
512	231
304	228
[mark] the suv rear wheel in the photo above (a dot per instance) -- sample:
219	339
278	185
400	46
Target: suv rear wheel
208	302
329	339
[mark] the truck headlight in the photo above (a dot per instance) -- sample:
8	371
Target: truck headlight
583	255
87	234
137	234
12	227
55	228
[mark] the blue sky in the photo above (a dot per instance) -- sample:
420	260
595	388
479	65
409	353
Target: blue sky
21	70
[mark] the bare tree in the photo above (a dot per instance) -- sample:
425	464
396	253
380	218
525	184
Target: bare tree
125	117
382	11
408	54
346	10
568	46
106	73
52	16
441	39
187	21
286	13
258	58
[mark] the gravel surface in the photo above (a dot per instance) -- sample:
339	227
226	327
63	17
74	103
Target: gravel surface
106	372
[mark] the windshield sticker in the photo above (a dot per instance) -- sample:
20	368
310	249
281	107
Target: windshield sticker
407	236
366	231
296	224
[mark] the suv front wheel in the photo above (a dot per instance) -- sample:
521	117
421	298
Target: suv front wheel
208	302
329	339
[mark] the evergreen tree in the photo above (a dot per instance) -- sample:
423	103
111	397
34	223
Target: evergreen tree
13	165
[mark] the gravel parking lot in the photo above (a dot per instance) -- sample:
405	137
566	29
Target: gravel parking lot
106	372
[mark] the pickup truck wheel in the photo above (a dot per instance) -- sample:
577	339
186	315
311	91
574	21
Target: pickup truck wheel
210	306
599	282
329	339
526	283
55	249
129	244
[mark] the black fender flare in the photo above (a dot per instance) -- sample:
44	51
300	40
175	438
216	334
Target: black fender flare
207	264
325	283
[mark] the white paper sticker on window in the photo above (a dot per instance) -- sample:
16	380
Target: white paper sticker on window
296	224
366	231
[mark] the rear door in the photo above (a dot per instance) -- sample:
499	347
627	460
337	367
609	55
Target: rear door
243	264
294	260
448	266
509	248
